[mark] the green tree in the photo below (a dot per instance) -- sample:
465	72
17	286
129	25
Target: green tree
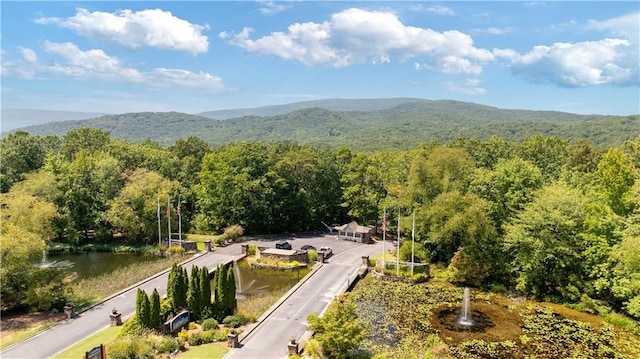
440	170
87	184
339	330
154	311
194	294
26	227
83	139
236	187
548	153
134	210
221	299
508	187
362	188
582	157
616	175
177	285
231	303
455	220
21	153
205	290
547	246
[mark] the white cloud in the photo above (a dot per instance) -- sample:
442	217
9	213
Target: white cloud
441	10
577	65
608	61
469	87
28	55
147	28
95	64
271	7
358	36
627	26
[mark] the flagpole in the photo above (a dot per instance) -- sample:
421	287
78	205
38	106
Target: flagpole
169	219
413	230
179	222
159	228
398	249
384	236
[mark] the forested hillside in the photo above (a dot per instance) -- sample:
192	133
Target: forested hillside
402	126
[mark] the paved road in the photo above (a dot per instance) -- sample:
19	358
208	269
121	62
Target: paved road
288	320
269	339
69	332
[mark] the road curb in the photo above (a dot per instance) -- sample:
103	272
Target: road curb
102	301
282	299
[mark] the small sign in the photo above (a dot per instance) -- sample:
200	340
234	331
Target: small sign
96	353
179	321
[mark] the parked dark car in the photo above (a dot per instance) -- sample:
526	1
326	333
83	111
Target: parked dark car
283	245
308	247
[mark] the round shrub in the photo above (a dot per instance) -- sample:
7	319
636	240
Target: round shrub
234	321
175	250
209	324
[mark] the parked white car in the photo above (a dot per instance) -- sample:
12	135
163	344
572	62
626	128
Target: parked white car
327	250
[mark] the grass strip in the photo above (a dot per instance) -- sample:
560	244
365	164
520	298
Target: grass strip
79	349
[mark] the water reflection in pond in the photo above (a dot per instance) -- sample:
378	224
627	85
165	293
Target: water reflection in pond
93	264
251	282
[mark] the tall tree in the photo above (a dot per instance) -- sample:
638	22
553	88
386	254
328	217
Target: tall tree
230	289
339	330
134	210
205	289
87	184
194	294
362	188
547	246
154	310
616	174
84	139
548	153
21	153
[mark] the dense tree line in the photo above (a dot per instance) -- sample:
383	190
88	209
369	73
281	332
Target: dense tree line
553	218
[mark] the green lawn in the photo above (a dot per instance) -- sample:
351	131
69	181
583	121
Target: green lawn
200	238
213	351
79	349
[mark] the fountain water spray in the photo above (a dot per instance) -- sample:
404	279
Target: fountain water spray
465	315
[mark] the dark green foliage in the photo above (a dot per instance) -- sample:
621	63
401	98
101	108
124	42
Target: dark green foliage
221	299
339	330
234	321
209	324
177	287
143	308
230	288
205	289
194	294
404	126
154	311
21	153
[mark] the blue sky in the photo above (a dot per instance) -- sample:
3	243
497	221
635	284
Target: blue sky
119	56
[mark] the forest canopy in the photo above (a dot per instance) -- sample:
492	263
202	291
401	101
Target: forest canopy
553	218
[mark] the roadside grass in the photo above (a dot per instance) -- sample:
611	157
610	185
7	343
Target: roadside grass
211	350
200	238
19	335
92	290
254	306
79	349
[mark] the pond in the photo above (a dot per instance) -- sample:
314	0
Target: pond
93	264
251	282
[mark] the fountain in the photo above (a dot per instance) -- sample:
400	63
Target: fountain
466	318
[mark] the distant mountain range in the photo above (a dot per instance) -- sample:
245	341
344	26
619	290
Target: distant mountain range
366	124
12	118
